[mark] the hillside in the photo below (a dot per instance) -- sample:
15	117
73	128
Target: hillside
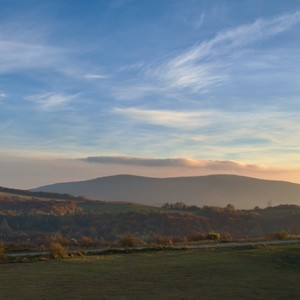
4	191
28	221
213	190
14	202
18	201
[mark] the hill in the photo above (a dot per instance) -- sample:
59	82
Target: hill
4	191
16	201
213	190
28	221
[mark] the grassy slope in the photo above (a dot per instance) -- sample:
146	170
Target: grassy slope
115	207
20	197
4	195
95	206
271	272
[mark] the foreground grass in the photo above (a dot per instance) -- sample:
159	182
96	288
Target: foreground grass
271	272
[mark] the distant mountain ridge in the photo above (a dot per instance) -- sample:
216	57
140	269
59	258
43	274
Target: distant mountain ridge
213	190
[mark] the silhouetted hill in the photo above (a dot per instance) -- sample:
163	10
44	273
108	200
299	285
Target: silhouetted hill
38	194
213	190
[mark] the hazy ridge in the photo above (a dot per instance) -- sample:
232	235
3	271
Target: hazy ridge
215	190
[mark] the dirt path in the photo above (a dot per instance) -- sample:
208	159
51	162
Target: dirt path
191	246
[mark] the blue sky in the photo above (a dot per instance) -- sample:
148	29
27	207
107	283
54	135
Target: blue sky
207	86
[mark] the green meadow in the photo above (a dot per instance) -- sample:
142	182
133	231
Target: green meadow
266	272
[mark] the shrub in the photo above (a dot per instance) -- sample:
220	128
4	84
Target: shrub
184	240
226	237
279	235
2	253
162	240
86	242
57	250
197	236
129	240
214	236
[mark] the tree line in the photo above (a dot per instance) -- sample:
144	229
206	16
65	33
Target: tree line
75	227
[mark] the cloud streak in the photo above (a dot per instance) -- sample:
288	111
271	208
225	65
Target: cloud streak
260	134
52	101
32	48
167	118
207	64
231	97
29	172
94	76
204	67
172	162
16	55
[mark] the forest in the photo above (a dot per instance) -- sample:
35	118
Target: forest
28	221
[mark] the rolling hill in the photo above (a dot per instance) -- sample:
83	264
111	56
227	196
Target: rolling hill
212	190
18	201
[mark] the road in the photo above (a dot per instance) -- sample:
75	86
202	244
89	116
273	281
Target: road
241	244
190	246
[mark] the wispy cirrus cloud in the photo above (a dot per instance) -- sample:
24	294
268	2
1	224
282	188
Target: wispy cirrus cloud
253	135
134	90
30	47
52	101
207	64
131	67
94	76
167	118
231	121
16	55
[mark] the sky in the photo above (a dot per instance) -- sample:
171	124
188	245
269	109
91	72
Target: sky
155	88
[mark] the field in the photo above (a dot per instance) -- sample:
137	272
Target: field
269	272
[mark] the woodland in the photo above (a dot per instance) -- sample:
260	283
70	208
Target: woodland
30	220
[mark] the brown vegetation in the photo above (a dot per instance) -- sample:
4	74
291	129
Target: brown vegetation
57	250
34	223
2	253
14	205
279	235
129	240
86	242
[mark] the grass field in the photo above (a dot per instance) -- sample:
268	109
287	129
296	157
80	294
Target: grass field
269	272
